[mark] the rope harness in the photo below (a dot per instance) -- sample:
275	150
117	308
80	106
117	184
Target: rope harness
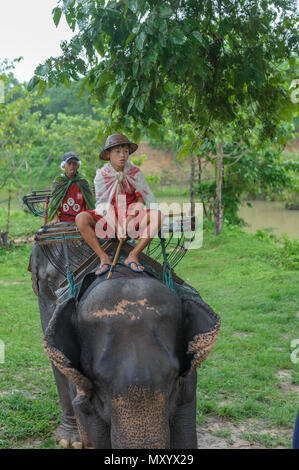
166	270
69	273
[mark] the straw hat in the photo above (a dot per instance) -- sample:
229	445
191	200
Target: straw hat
114	140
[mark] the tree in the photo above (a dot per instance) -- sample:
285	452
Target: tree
64	100
82	135
213	56
19	129
31	146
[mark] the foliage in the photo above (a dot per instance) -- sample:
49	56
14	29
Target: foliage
250	165
80	134
286	252
256	173
212	57
63	100
20	130
32	140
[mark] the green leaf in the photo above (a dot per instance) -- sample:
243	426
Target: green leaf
146	65
71	21
165	11
105	77
41	87
130	38
140	40
33	82
130	105
135	68
124	87
169	87
135	90
139	103
82	88
177	36
198	37
68	4
99	47
133	5
161	26
56	15
292	61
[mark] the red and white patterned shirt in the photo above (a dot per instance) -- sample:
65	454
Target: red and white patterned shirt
73	203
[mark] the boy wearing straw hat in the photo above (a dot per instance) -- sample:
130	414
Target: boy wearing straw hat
122	193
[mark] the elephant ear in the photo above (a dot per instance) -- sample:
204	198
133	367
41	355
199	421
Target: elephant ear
201	330
62	347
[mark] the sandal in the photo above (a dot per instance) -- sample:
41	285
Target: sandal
105	270
129	265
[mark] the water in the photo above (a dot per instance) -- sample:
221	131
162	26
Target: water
266	215
271	217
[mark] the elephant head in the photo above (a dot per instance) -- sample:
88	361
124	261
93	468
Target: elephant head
130	349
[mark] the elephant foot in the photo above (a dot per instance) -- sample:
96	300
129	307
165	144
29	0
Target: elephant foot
67	434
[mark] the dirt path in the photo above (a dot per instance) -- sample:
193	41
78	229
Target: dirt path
219	433
11	283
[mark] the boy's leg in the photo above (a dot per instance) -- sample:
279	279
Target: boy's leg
148	229
86	224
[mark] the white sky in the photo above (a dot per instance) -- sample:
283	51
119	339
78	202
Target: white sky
27	29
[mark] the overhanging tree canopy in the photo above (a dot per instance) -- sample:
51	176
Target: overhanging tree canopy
212	56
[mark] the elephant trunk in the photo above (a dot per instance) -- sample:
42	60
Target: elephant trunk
139	419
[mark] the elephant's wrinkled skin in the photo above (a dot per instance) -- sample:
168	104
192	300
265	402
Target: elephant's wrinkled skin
121	360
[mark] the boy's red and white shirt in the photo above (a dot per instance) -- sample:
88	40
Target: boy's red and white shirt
109	184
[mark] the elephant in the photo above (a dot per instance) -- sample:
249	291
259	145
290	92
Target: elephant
124	354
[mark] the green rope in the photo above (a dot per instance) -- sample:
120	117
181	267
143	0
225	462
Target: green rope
69	274
71	285
166	275
61	238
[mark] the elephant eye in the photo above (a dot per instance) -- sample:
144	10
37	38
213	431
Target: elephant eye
83	404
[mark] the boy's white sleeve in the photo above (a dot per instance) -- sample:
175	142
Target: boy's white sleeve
104	191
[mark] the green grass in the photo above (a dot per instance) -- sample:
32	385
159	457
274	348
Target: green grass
21	223
28	398
265	439
242	277
172	192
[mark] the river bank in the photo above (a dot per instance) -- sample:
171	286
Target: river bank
271	216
